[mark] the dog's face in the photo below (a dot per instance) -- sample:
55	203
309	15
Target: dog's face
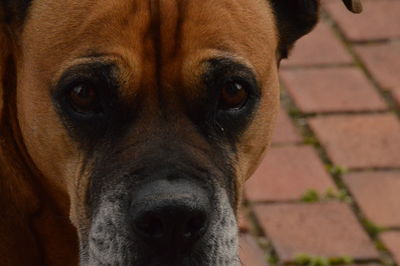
149	116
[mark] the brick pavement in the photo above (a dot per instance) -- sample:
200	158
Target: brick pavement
328	191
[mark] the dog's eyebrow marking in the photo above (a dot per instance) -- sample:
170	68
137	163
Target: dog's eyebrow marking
100	57
94	54
234	64
86	59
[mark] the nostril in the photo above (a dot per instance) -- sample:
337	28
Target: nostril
195	227
150	226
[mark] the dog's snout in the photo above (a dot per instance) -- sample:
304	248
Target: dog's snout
171	214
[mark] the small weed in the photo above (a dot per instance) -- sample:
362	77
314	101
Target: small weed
294	112
273	260
380	246
309	260
340	194
372	228
310	196
311	140
331	193
336	170
302	259
342	260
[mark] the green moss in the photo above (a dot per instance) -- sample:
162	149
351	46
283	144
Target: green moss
309	260
331	193
310	196
336	170
272	259
294	112
380	246
302	259
341	260
340	194
373	229
322	261
311	140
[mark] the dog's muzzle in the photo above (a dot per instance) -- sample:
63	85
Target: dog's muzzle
163	220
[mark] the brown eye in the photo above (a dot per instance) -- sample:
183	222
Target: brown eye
233	96
83	98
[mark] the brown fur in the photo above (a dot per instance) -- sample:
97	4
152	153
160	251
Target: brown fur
32	212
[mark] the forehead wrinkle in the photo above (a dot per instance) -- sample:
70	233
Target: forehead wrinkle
173	16
167	19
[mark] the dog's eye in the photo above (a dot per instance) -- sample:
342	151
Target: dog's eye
233	96
84	99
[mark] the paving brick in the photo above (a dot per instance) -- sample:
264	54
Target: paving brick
377	194
320	47
360	141
379	20
319	229
339	89
392	242
383	61
250	253
286	174
285	132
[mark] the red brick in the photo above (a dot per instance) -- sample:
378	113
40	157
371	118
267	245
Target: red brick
343	89
250	253
360	141
379	20
392	242
383	61
286	174
320	47
377	194
285	131
319	229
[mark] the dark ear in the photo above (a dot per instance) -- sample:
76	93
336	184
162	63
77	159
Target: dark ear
13	11
353	5
296	18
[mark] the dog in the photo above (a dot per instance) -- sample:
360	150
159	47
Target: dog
128	127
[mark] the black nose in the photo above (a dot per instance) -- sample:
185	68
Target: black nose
172	223
171	214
